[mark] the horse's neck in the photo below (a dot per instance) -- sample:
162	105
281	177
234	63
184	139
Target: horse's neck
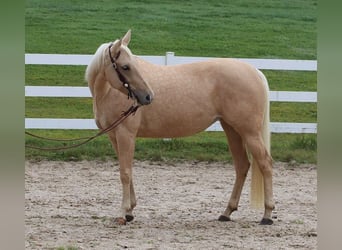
99	87
150	71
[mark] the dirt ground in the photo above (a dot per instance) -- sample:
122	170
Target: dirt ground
72	204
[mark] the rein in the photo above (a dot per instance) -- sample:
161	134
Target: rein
84	140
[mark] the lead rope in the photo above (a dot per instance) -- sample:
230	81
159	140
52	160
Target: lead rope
122	117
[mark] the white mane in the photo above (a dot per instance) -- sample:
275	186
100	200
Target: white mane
95	64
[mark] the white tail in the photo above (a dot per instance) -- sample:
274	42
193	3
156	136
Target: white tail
257	182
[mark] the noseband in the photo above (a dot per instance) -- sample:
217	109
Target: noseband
120	75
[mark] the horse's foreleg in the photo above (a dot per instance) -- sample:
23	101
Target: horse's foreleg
241	164
129	214
124	144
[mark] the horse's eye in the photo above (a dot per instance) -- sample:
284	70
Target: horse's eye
125	67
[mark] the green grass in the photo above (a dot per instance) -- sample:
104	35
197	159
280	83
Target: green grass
43	75
291	80
205	146
61	107
245	29
67	248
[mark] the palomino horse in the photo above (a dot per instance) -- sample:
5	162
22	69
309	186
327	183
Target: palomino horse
182	100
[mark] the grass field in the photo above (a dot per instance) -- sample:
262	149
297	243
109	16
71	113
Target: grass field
245	29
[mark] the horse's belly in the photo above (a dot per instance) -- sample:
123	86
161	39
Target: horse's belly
170	128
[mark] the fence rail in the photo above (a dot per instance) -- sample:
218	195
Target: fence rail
80	124
49	91
168	59
171	59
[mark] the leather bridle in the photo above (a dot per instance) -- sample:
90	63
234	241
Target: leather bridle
122	78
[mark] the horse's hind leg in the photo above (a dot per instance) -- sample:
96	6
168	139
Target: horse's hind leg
241	164
263	159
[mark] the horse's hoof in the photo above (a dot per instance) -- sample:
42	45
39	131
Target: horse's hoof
266	221
120	221
129	218
224	218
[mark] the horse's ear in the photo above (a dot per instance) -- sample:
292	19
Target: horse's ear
116	48
127	38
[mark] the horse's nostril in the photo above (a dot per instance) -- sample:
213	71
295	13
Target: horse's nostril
148	98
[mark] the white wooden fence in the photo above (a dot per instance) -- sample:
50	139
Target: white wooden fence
168	59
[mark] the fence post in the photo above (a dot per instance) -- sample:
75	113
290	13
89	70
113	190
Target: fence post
168	57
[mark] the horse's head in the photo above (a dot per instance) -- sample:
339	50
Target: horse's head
122	71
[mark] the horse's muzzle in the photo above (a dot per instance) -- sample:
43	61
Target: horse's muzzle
143	97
